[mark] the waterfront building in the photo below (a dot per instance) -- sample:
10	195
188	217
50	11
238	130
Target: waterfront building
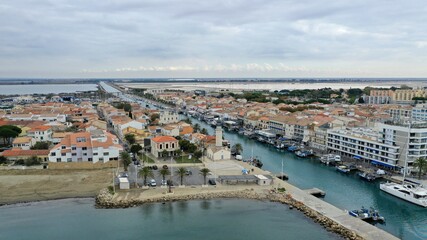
95	146
419	112
168	116
218	151
363	144
163	146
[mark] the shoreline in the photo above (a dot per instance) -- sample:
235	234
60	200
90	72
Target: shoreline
106	200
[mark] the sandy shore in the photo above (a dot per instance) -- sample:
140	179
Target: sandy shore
37	185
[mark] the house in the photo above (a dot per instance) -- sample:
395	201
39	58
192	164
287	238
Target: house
167	117
16	154
170	130
41	133
95	146
218	151
24	143
161	144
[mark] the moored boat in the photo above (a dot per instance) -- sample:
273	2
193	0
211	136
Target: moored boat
367	215
343	169
367	176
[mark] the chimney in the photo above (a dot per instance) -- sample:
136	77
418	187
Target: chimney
218	136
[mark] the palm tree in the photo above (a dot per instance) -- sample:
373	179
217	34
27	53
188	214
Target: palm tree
238	148
204	131
204	172
164	173
421	164
196	127
146	172
181	173
125	159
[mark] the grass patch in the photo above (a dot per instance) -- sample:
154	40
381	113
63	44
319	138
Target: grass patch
147	159
184	159
111	190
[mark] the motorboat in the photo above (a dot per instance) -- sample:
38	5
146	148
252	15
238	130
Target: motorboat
330	159
415	194
343	169
367	215
367	176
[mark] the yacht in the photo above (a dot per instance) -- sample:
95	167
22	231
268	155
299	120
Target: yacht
408	191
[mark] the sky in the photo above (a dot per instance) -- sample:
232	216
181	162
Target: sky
196	38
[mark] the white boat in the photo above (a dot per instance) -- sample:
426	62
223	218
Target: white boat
409	192
330	159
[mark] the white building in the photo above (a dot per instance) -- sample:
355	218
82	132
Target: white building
363	144
218	151
24	143
95	146
419	112
167	117
41	133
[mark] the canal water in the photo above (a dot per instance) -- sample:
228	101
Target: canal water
203	219
403	219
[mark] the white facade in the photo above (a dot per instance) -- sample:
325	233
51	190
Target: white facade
419	112
40	134
218	153
96	146
167	117
363	144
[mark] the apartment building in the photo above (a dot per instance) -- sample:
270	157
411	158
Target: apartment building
419	112
95	146
40	133
364	144
167	117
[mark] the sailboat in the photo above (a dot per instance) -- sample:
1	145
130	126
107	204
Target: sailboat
408	191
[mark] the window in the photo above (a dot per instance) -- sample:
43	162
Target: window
84	154
73	148
95	154
84	148
73	154
63	147
53	154
106	154
58	160
62	154
69	160
89	159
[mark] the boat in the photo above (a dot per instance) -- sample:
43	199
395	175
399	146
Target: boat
304	153
293	148
343	169
330	159
407	190
367	215
367	176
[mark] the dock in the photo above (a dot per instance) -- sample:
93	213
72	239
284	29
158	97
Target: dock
315	192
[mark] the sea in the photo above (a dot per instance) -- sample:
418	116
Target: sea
25	89
199	219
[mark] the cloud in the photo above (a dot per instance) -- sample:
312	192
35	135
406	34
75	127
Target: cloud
204	38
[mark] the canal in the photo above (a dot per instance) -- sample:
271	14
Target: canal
404	220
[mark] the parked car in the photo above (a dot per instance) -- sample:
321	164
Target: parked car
153	183
188	172
212	181
164	182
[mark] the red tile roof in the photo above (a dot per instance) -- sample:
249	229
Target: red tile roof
161	139
19	152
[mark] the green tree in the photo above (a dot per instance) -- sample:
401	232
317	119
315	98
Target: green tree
7	132
154	117
204	131
181	173
237	148
204	172
164	172
41	145
3	159
196	127
198	154
164	153
188	120
421	164
146	172
33	160
178	153
125	159
127	107
135	149
130	138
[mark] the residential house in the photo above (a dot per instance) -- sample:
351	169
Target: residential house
162	144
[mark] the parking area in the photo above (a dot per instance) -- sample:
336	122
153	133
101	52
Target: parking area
193	176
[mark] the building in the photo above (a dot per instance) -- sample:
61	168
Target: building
167	117
363	144
419	112
40	133
17	154
379	97
24	143
163	146
218	151
95	146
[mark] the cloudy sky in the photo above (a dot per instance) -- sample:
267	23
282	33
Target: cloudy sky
196	38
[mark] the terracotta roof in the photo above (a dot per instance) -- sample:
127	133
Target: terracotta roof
19	140
40	128
19	152
161	139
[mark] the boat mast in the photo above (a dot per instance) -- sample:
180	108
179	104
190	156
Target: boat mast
282	167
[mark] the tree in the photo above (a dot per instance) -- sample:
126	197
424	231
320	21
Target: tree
3	159
146	172
188	120
196	127
164	153
33	160
125	159
181	173
198	154
204	172
237	148
135	149
164	172
154	117
127	107
41	145
421	164
130	138
361	100
178	153
204	131
7	132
